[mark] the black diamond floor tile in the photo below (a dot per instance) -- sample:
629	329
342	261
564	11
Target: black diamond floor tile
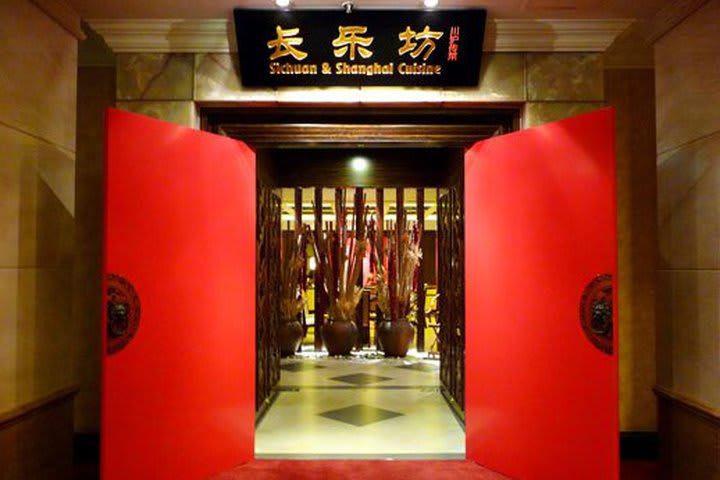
420	367
360	415
361	379
299	366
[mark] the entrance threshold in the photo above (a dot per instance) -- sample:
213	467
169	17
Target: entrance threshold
360	470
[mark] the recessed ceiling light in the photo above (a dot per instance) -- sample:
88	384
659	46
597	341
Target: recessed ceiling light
359	164
282	3
431	3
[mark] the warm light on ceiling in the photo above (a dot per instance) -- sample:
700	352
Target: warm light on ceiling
431	3
359	164
282	3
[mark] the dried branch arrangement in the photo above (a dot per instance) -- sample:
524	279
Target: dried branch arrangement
292	273
396	280
339	255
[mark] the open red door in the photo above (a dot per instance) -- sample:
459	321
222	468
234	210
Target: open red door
178	368
541	340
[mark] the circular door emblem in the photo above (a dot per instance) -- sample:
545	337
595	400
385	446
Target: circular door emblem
123	312
596	312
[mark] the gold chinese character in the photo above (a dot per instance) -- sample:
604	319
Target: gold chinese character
284	44
426	36
348	39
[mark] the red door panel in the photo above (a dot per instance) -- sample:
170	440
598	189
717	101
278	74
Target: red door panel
178	398
540	224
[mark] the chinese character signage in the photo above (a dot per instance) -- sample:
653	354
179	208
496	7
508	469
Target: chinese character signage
365	47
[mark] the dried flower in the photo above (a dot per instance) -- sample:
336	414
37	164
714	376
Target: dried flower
396	281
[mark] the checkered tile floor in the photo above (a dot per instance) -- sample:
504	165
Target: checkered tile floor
365	407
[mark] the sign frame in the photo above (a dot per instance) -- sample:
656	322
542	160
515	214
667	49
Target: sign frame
313	47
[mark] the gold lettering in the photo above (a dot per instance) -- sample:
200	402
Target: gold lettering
428	38
349	39
285	44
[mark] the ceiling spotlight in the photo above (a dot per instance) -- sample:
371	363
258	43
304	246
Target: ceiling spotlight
359	164
282	3
431	3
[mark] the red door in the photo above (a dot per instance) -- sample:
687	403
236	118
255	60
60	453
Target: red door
541	343
179	350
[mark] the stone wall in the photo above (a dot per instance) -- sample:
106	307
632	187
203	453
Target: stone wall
38	372
687	79
554	85
38	62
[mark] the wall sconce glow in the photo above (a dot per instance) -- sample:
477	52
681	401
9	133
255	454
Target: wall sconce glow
359	164
431	3
282	3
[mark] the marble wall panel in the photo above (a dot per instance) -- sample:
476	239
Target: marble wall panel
38	60
217	78
687	63
8	337
695	353
179	112
564	77
37	181
664	329
502	79
537	113
155	76
689	205
36	322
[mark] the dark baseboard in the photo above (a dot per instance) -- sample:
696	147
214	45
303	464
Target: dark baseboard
689	437
638	445
86	448
36	438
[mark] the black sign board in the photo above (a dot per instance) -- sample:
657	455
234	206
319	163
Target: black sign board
364	47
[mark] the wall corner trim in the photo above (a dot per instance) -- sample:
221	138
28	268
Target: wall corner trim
670	16
216	35
63	14
23	411
704	411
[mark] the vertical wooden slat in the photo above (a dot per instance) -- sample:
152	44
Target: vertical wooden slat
339	217
380	244
298	209
400	201
420	292
358	208
319	293
303	256
380	217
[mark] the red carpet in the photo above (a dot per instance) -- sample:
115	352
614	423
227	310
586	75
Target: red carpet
360	469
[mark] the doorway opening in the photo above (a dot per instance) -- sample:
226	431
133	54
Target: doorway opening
343	177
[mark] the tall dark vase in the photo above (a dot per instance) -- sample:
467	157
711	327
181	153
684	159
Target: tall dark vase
395	337
290	334
339	336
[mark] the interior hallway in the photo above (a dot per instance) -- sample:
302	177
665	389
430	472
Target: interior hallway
364	407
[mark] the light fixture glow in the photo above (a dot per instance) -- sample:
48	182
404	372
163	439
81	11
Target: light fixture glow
359	164
282	3
431	3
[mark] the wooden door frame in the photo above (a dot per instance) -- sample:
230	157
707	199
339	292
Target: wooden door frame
279	125
266	126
